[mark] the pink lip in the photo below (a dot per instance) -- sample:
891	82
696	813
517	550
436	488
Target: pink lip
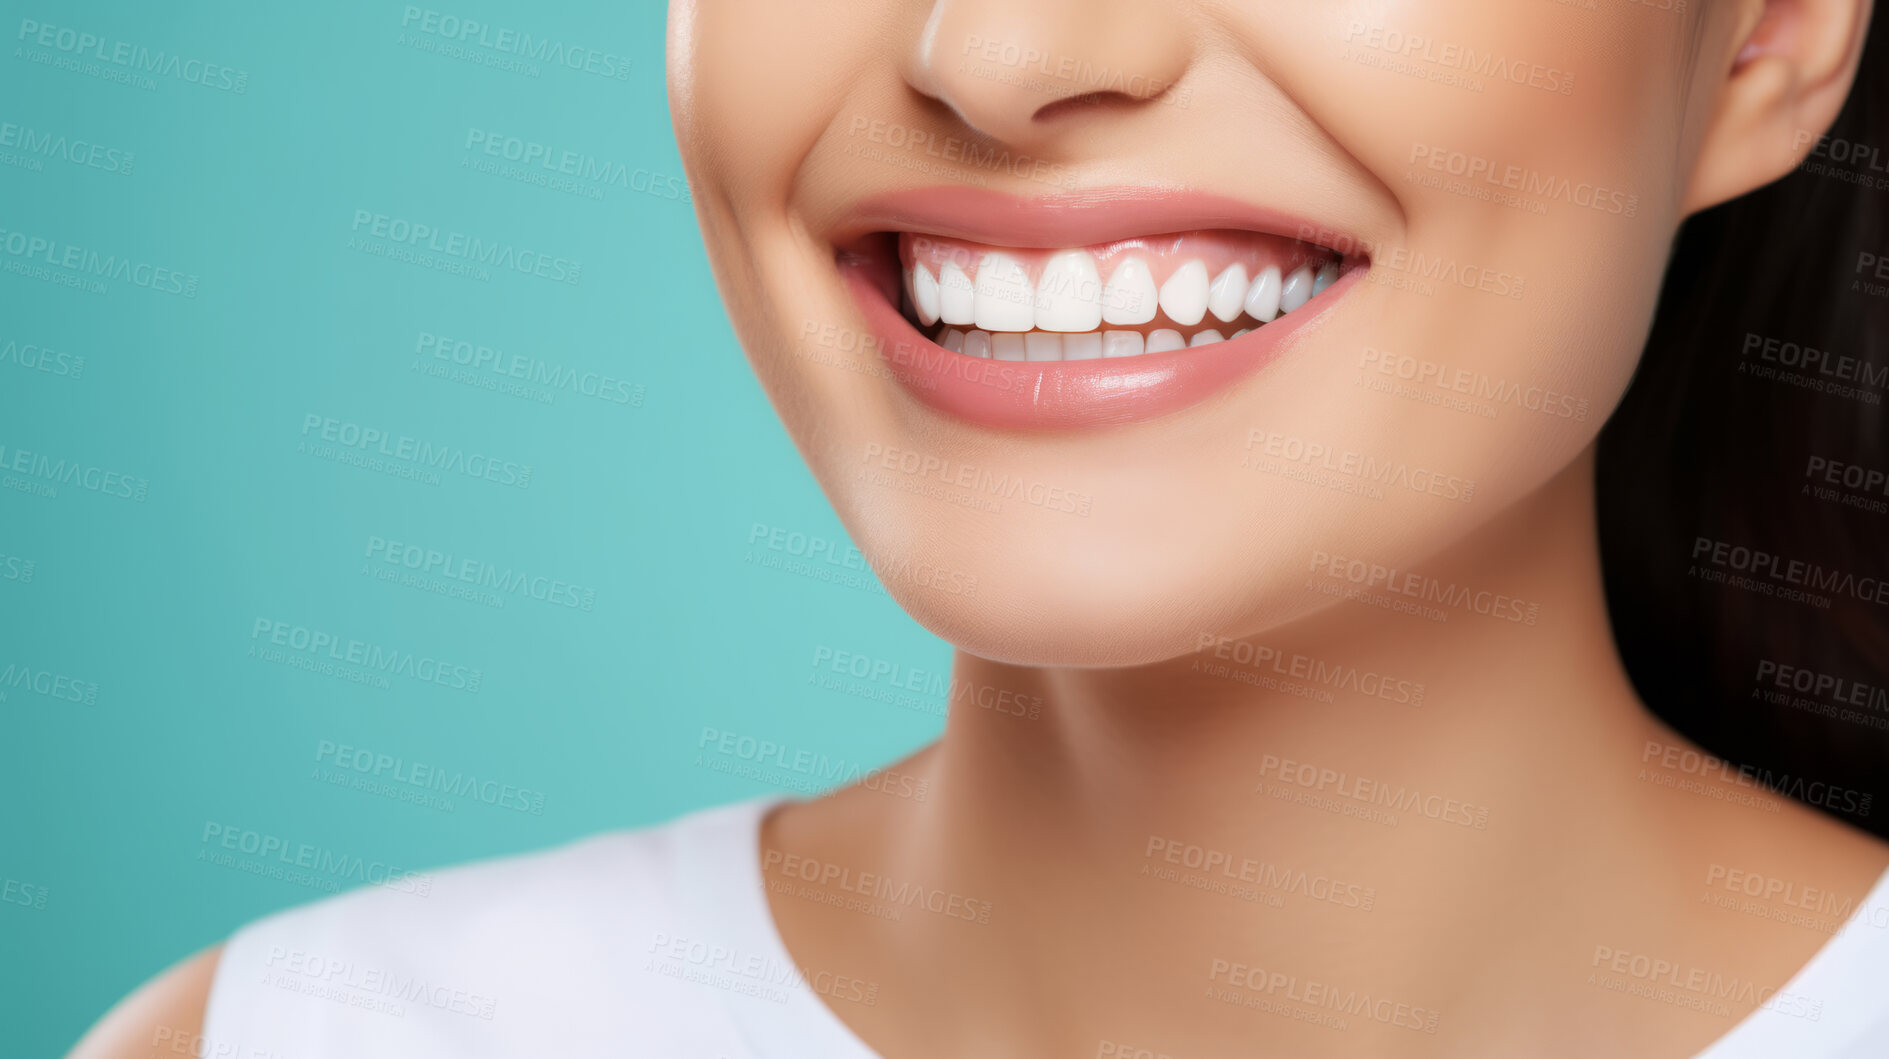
1022	395
1083	218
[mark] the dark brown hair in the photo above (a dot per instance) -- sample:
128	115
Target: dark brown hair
1741	581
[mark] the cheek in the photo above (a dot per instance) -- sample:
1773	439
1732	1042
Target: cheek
759	80
1533	152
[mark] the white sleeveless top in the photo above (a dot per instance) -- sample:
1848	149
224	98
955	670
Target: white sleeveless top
658	943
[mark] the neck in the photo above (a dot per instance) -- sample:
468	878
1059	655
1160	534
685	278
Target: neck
1340	786
1352	704
1366	803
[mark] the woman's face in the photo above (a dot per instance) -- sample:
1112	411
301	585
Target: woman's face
955	239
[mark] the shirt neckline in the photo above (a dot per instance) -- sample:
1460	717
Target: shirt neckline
724	895
724	892
1836	1000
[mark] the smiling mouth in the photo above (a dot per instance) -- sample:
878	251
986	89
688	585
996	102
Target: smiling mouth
1128	298
1104	307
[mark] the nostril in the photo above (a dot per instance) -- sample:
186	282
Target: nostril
1087	101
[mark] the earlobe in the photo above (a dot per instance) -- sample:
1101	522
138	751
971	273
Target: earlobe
1780	86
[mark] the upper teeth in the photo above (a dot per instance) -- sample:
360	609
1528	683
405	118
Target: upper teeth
1130	296
1070	299
1069	293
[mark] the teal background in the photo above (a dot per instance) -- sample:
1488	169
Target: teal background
649	506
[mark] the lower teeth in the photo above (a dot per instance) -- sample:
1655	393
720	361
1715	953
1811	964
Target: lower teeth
1085	345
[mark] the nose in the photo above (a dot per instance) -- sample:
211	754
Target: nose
1011	69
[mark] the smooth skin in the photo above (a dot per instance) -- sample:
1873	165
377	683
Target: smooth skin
788	114
1050	821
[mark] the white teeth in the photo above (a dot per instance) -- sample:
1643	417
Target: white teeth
1086	346
924	295
1224	298
1059	317
1042	345
1122	343
1326	274
1004	300
955	296
1184	295
1262	301
1297	290
1130	296
1165	339
1069	293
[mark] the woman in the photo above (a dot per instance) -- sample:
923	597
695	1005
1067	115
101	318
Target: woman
1225	382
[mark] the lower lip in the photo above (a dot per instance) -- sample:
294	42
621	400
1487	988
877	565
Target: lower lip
1053	395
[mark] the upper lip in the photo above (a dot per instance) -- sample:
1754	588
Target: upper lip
1085	218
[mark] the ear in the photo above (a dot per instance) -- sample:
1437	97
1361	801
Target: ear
1779	86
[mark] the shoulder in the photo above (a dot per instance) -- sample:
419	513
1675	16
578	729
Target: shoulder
548	952
167	1010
